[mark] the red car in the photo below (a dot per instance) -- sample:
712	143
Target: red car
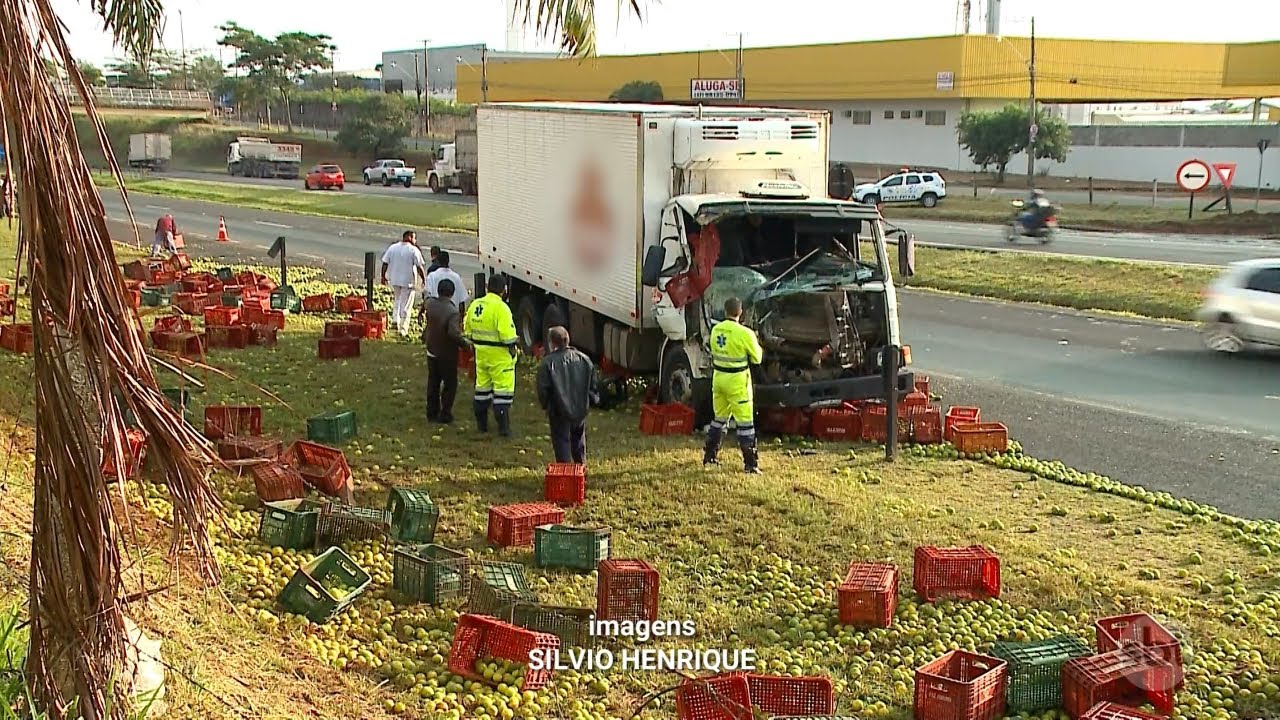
323	177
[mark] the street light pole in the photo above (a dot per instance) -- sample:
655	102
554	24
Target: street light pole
182	37
333	88
484	73
426	71
417	85
1032	129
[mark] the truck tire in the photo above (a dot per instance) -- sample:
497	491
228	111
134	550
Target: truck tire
433	182
529	321
367	179
386	181
676	383
408	182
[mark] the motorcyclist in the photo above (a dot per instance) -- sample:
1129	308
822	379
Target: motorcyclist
1037	208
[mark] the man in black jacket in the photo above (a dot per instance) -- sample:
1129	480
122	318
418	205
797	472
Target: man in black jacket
566	390
443	335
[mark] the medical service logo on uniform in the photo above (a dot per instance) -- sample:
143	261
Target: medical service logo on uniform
591	217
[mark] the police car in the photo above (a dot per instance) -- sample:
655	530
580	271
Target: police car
914	186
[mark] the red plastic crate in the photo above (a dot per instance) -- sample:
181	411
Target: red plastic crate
222	316
324	468
172	324
914	399
481	636
926	425
1131	675
352	303
344	329
874	422
223	420
565	484
785	421
252	314
5	288
1140	629
338	348
467	362
957	414
190	303
375	323
777	695
134	298
1114	711
512	525
626	590
267	285
837	424
249	447
275	481
868	597
195	284
247	279
186	344
922	384
135	455
263	335
718	697
961	686
982	437
162	277
235	337
669	419
318	303
965	572
17	337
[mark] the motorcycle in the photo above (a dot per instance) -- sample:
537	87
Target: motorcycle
1044	233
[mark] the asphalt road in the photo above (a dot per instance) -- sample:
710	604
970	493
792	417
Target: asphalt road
334	240
354	184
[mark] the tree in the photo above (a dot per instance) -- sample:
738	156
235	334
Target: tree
572	22
90	72
638	91
144	71
377	126
90	369
279	63
204	72
992	138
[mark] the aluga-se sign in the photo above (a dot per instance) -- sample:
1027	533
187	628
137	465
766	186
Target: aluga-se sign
715	89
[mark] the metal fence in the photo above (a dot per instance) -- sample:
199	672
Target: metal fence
139	98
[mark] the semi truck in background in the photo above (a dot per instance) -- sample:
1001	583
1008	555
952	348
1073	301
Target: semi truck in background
260	157
632	224
151	151
459	162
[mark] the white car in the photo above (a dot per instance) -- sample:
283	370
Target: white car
1242	307
389	172
924	187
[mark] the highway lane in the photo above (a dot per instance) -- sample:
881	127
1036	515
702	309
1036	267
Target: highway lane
344	241
354	184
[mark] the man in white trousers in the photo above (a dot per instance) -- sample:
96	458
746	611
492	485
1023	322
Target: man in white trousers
402	269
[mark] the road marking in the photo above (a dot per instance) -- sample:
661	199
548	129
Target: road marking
157	207
271	224
313	257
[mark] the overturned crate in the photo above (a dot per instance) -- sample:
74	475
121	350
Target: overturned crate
571	624
341	523
496	588
413	515
566	546
325	586
289	523
431	573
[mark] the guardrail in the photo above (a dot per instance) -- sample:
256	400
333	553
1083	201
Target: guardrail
140	98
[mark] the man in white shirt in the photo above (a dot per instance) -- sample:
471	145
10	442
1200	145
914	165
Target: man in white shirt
402	266
444	272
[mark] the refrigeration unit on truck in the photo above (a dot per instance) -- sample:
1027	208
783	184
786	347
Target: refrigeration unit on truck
150	150
632	224
260	157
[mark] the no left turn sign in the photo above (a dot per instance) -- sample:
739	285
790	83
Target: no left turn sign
1194	175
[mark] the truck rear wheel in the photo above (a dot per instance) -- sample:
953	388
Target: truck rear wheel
529	321
676	384
386	181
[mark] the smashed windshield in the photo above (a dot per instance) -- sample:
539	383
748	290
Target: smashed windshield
801	249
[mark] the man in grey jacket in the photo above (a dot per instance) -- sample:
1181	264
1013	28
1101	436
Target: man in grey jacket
444	338
567	389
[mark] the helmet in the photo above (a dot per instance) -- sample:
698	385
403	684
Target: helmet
1038	193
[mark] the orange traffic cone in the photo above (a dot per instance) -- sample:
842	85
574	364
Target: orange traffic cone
222	230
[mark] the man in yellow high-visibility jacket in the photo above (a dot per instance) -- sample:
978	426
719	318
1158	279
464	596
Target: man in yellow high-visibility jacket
492	331
734	349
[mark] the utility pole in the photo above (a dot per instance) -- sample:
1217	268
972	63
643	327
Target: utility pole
417	85
182	38
333	88
484	73
426	71
742	91
1032	130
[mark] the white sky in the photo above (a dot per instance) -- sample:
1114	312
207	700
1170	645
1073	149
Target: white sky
363	30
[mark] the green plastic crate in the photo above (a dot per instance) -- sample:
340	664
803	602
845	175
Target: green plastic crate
307	593
231	299
566	546
1035	670
430	573
572	625
289	523
339	523
332	428
225	275
496	587
413	516
154	298
286	299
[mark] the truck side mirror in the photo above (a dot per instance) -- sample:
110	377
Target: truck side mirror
651	272
906	255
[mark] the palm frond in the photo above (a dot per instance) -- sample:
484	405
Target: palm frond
134	24
571	22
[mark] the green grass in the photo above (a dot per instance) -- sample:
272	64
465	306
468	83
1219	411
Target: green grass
752	560
454	217
1146	289
1110	216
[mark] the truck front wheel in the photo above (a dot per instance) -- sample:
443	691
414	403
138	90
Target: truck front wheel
676	384
529	321
434	183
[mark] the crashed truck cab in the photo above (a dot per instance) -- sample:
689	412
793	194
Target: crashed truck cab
815	279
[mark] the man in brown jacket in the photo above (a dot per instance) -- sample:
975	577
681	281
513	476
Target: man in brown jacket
444	338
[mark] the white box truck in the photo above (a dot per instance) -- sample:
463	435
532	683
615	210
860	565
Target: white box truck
632	224
259	157
152	151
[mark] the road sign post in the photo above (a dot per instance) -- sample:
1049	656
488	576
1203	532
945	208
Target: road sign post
1263	144
1193	176
1226	174
277	248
